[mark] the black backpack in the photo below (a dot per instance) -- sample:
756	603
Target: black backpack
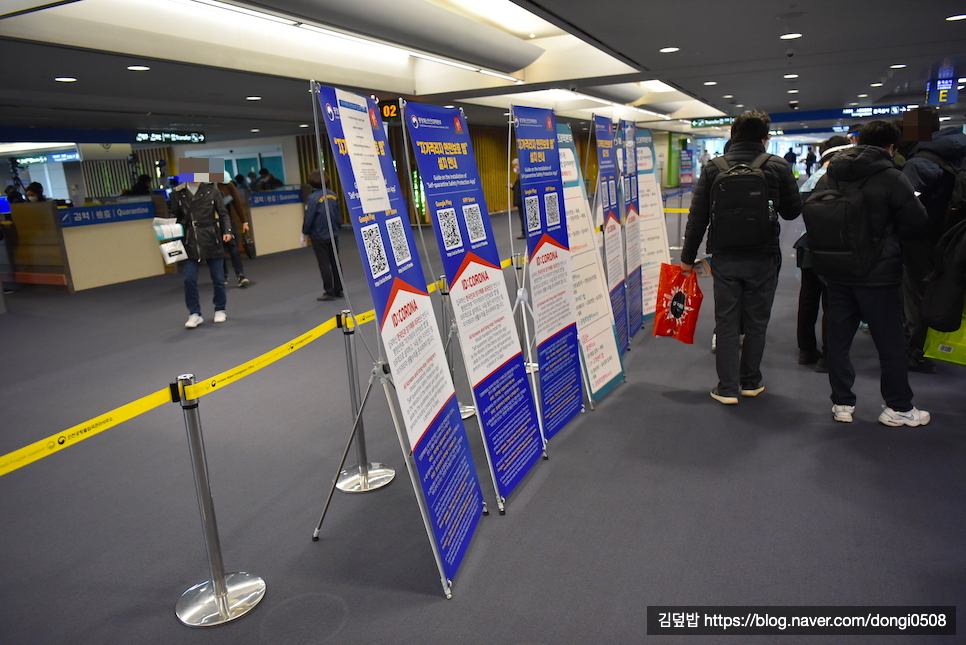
840	233
741	217
956	208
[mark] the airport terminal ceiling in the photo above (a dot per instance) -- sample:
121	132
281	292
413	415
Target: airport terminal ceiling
573	56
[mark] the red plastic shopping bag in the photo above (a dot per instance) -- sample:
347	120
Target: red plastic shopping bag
678	303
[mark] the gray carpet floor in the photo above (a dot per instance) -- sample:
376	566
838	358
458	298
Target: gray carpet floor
660	496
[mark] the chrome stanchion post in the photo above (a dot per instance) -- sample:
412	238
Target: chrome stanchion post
364	476
222	597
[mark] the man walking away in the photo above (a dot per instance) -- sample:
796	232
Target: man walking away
737	200
856	248
323	217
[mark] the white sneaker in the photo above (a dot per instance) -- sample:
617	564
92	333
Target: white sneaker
193	321
913	417
220	316
843	413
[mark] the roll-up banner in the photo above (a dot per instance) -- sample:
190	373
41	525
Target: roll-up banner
653	229
609	201
548	247
595	320
434	436
632	226
478	292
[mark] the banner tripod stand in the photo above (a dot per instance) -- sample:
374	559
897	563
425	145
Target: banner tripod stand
363	476
449	323
522	304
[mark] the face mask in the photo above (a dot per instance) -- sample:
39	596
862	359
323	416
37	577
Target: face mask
32	198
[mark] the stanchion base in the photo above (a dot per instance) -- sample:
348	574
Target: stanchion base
466	411
199	607
353	480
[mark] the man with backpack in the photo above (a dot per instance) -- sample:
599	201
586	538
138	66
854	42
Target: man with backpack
856	217
737	200
934	164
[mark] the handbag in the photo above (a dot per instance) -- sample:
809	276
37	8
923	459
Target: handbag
678	303
947	346
173	251
248	243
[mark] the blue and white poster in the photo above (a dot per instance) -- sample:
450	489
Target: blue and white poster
632	226
434	433
595	320
548	247
478	292
609	202
653	229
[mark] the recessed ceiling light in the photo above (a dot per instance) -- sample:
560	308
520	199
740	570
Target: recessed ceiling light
740	105
304	125
138	68
875	84
450	107
853	103
793	91
253	98
255	130
669	50
791	75
65	79
863	96
897	66
728	96
961	16
711	82
790	36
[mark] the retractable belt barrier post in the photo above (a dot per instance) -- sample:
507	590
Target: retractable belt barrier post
222	597
363	477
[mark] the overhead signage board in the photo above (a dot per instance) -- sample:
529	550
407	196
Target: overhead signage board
812	115
712	122
52	157
942	91
147	136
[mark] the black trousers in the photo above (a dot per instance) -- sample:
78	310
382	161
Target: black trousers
917	263
328	265
881	308
812	294
236	261
744	289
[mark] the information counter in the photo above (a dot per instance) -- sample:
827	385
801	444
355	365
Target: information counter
93	246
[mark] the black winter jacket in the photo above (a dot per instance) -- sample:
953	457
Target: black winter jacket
942	303
204	218
895	212
320	203
927	178
782	190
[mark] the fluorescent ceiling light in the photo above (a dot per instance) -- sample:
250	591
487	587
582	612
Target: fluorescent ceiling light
853	103
897	66
248	12
657	86
255	130
790	36
253	98
711	82
863	96
304	125
961	16
791	75
793	91
962	80
728	96
434	59
669	50
875	84
505	77
139	68
65	79
945	118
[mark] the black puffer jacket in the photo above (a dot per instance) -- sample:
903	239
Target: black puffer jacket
927	178
782	190
204	218
894	211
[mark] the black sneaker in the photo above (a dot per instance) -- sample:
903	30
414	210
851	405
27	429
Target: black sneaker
922	365
806	357
721	398
243	281
821	366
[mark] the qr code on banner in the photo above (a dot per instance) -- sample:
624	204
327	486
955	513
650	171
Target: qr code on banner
613	192
449	228
398	241
533	212
474	222
604	195
375	251
553	209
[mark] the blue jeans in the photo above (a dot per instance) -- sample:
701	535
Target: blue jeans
216	268
744	289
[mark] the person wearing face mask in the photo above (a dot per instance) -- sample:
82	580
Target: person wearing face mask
35	193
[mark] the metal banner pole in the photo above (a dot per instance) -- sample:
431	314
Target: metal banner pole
449	324
523	304
222	597
363	476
